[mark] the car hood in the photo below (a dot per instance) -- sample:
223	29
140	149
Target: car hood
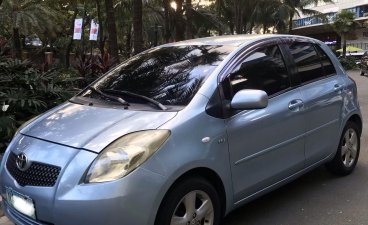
92	128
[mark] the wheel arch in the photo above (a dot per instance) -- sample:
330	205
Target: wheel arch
207	174
358	121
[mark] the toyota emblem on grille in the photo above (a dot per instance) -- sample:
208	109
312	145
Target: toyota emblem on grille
22	162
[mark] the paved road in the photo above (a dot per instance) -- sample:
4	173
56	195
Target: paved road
317	198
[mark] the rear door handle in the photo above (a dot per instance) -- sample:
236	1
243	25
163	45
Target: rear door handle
295	105
338	87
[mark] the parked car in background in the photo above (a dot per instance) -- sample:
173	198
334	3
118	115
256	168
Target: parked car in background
363	64
32	41
356	55
184	133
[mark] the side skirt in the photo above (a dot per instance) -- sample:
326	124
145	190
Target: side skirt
280	183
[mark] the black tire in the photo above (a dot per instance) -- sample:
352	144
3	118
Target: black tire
173	202
362	73
344	164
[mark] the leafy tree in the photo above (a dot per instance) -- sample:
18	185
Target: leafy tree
28	17
26	92
292	8
344	23
270	8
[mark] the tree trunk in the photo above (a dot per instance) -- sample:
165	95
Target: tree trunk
244	23
179	23
167	34
101	41
264	29
291	23
218	9
17	44
251	26
137	26
128	40
343	36
231	25
111	28
238	17
189	27
69	47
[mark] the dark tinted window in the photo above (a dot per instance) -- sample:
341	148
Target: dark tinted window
169	75
307	61
264	70
326	62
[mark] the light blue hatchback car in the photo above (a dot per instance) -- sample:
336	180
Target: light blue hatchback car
184	133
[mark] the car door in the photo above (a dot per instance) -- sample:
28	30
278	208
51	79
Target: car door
265	145
321	89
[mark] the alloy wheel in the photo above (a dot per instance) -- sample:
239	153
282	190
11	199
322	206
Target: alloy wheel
195	208
349	147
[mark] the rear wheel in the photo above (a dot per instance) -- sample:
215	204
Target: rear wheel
347	154
193	201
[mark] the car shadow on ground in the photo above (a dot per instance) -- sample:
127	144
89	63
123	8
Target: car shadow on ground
278	201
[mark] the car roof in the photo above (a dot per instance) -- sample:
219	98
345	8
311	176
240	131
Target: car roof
232	40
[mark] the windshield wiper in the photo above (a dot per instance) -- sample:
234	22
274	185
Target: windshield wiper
159	105
117	99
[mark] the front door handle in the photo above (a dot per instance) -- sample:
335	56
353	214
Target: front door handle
295	105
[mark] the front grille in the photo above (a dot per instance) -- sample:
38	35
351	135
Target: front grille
38	174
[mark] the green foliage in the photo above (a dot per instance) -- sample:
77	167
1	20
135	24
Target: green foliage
90	67
345	21
348	63
26	92
31	17
52	20
7	128
4	49
29	91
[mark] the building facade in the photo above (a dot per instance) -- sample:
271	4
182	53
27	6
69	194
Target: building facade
314	27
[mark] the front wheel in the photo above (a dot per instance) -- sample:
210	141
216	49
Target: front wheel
347	154
193	201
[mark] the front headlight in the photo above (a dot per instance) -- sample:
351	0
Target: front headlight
125	154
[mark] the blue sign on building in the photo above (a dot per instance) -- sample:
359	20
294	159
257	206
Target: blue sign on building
360	11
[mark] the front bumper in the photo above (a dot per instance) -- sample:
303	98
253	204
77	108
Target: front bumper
132	200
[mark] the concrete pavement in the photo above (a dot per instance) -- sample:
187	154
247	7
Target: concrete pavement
317	198
3	219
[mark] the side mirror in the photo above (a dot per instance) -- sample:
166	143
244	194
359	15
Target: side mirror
249	99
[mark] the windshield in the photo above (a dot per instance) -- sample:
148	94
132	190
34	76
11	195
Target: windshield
169	75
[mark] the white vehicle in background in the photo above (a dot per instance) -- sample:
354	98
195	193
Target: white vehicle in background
363	64
357	55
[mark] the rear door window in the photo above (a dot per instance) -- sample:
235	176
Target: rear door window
307	61
328	67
